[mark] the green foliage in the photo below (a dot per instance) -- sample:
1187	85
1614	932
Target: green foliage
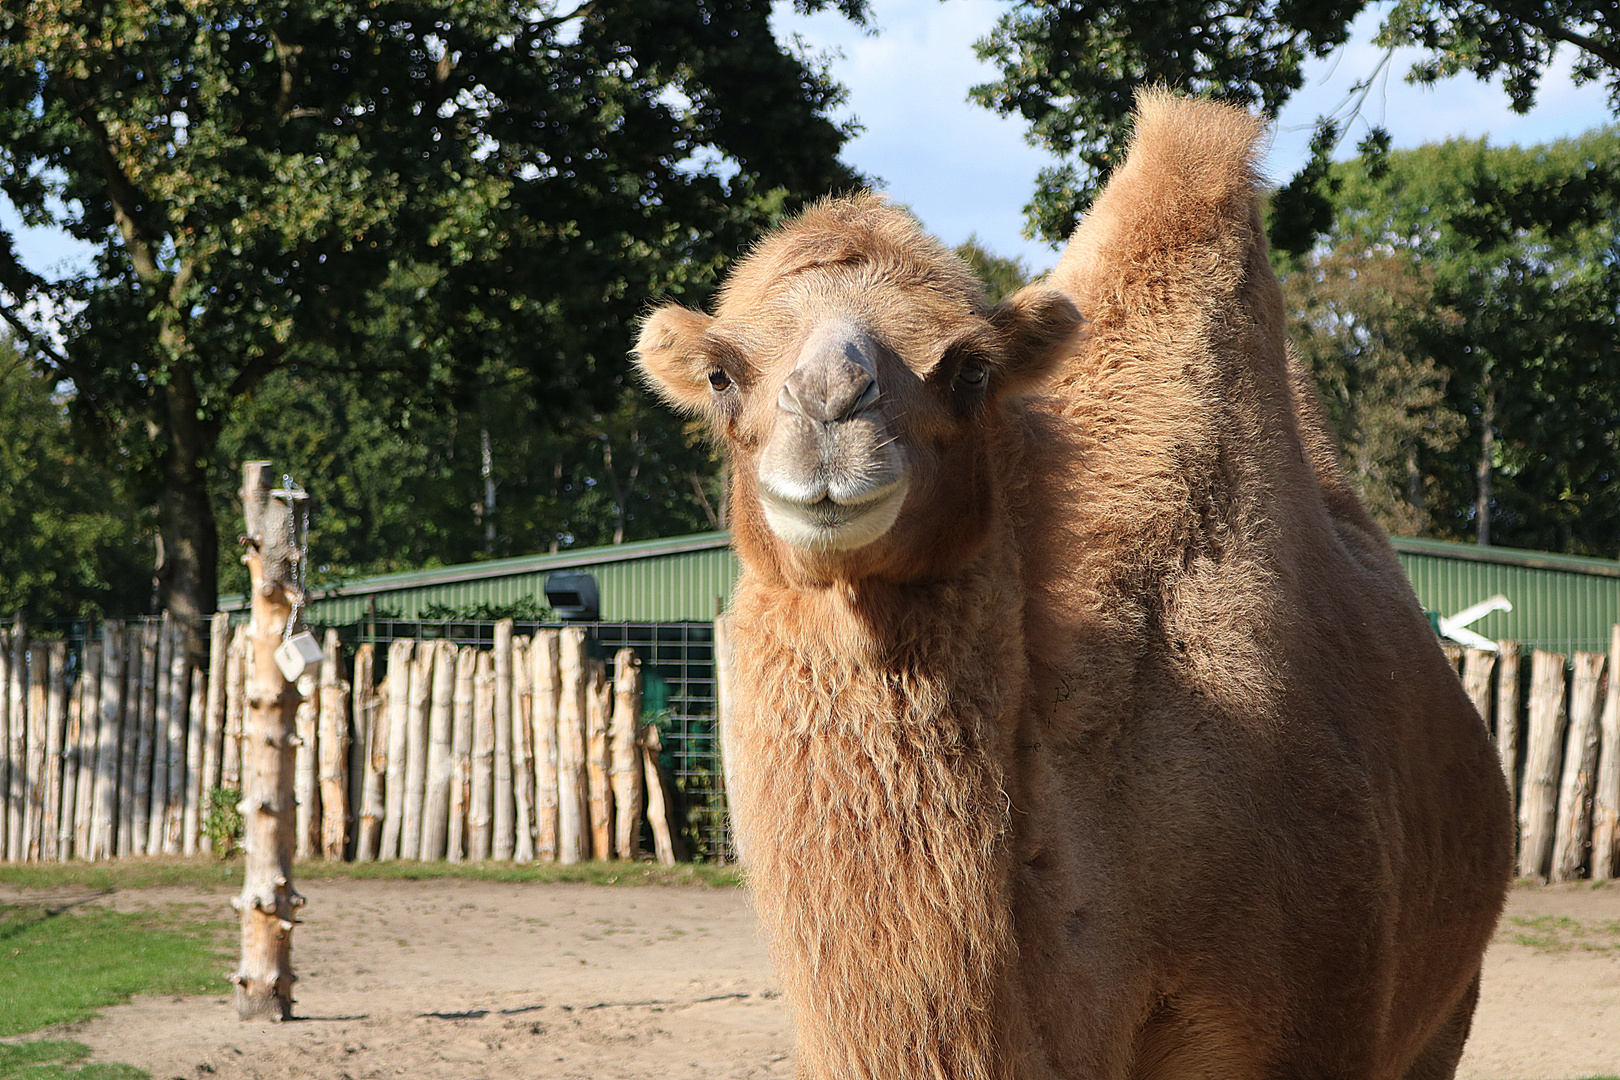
1001	276
72	546
1495	273
416	193
56	1059
60	964
1071	69
222	820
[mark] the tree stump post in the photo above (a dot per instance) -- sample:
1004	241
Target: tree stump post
1539	805
573	788
1507	717
1573	835
16	691
1606	793
416	745
440	767
481	791
333	744
598	758
104	809
268	904
626	753
523	749
461	745
219	649
393	782
546	684
55	743
89	740
371	727
505	803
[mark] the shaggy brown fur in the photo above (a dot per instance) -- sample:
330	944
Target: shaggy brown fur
1125	750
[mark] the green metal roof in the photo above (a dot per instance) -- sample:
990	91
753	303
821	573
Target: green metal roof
1560	602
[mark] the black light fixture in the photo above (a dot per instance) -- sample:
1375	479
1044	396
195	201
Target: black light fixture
573	596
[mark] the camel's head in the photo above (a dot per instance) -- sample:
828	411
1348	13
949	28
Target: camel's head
860	382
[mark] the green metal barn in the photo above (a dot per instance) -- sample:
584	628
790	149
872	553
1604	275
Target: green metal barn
1560	602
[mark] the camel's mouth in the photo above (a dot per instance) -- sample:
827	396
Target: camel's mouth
825	523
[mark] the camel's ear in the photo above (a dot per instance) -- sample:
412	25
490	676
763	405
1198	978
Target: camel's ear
1040	328
671	356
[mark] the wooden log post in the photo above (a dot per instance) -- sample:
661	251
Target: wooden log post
174	799
68	799
1606	787
626	772
547	685
1454	655
573	787
658	801
5	742
39	673
481	791
1478	664
440	767
236	676
1539	803
334	751
523	750
56	710
268	904
461	745
306	722
505	802
1572	838
598	758
213	727
416	745
1507	717
16	691
399	703
362	699
89	741
371	726
151	762
196	717
139	646
725	694
109	729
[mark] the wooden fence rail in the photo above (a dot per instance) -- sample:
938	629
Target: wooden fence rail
117	749
532	749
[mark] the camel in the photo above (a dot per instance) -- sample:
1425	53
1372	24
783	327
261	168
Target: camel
1086	725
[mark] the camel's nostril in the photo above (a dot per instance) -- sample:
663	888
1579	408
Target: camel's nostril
828	391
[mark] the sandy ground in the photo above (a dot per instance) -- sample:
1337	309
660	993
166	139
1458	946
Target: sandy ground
455	980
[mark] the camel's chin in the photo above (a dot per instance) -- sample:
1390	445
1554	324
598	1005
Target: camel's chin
828	526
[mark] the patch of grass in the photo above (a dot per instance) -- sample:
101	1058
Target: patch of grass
53	1059
60	963
1559	933
207	872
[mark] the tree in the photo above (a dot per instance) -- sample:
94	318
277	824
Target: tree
1071	69
375	188
1501	267
1001	276
72	545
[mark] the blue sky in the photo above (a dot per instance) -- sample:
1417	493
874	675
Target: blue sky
965	171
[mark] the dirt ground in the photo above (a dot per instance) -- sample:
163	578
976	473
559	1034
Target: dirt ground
457	980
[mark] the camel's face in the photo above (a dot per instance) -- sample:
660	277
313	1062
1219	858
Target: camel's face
856	385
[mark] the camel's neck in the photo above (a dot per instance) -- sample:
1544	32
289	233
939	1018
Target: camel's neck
871	747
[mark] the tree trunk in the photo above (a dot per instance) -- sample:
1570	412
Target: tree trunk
481	802
1606	809
179	726
147	756
371	718
56	711
237	665
188	580
546	680
626	753
416	730
219	654
505	838
109	728
191	817
573	788
461	744
268	904
1507	717
306	722
523	749
1482	469
1572	839
399	704
599	760
39	673
1541	767
334	751
89	740
436	805
16	691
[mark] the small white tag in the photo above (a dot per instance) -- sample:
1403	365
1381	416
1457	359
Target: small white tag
297	653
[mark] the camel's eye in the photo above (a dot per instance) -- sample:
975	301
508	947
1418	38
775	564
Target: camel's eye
719	380
972	375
